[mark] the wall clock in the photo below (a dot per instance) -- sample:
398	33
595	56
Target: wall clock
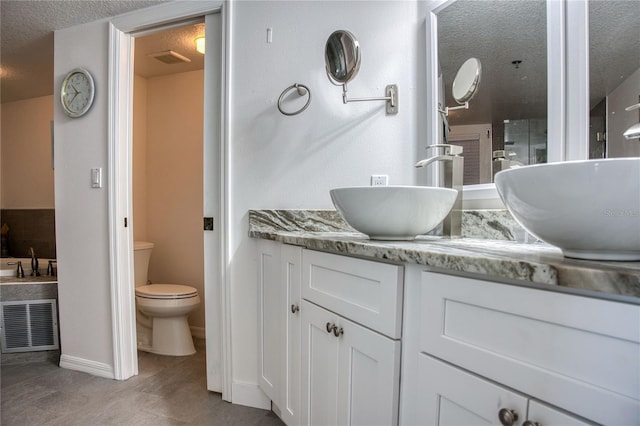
77	92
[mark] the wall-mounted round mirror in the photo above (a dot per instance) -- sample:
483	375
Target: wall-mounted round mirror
465	85
342	56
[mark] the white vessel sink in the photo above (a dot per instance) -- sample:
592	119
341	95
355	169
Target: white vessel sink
589	209
393	212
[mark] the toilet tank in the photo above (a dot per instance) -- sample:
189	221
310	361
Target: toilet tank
141	256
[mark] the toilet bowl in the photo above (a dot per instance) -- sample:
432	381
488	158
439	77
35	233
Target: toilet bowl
168	305
162	310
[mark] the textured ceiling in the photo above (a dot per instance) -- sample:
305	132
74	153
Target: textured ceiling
180	40
26	39
499	32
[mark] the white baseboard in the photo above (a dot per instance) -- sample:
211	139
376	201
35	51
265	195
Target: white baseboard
249	394
87	366
198	332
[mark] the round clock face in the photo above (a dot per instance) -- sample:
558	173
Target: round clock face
77	92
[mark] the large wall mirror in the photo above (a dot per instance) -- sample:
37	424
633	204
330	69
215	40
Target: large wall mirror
614	77
510	113
507	121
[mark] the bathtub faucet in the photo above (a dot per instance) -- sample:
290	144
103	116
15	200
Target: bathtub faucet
34	263
19	271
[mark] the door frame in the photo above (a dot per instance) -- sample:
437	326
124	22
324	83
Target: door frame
120	94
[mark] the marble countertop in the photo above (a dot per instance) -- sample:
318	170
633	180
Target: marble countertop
43	279
502	260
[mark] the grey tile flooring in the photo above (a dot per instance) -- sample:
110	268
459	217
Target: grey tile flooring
167	391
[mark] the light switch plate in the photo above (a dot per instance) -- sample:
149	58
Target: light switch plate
96	177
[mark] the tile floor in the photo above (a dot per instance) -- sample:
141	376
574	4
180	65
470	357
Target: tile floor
168	391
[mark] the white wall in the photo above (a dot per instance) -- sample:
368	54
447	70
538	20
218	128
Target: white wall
293	162
619	120
275	161
27	176
81	211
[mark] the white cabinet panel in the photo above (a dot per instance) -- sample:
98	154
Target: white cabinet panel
319	381
369	379
367	292
269	319
348	379
578	353
291	276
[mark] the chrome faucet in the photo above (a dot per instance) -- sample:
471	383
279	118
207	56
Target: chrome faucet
453	178
34	263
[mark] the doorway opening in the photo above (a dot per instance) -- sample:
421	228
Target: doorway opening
123	32
167	163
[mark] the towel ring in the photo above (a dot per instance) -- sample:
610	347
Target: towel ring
302	90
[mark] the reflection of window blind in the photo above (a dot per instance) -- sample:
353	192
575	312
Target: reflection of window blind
471	154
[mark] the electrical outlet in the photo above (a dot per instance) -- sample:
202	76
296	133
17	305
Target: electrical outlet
379	180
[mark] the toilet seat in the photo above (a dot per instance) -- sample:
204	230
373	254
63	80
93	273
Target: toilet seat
166	291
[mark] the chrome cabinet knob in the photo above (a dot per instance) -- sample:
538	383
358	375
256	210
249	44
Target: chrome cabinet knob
338	331
330	327
507	417
295	308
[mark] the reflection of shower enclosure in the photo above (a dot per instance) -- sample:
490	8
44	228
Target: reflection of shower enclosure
597	130
527	139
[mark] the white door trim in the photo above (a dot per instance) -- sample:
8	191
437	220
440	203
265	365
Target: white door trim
120	95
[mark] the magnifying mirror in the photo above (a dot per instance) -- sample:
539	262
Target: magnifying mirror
465	85
342	57
342	62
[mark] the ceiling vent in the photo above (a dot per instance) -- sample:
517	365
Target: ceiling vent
169	57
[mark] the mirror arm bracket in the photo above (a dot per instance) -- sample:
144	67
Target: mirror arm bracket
391	98
446	110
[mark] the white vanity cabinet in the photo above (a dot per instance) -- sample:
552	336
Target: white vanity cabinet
344	341
333	358
279	277
551	358
351	326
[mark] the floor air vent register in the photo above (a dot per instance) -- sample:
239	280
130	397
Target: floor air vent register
28	326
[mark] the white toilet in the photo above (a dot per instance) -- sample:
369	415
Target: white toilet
162	310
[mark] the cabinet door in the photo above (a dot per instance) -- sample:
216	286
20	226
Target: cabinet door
319	379
352	378
291	276
368	376
452	396
269	319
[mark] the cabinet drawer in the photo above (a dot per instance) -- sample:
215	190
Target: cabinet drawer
367	292
577	353
451	396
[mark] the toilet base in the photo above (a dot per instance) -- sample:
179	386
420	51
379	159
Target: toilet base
170	336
